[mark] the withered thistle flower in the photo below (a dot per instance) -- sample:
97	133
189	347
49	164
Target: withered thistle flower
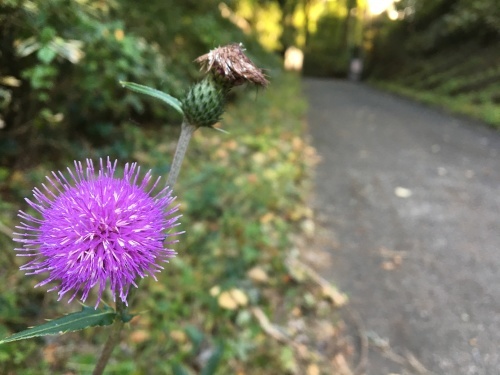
97	229
226	67
231	65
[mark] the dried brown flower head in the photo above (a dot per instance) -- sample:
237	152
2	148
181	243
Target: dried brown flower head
232	65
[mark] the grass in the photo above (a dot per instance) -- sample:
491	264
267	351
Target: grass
464	81
242	197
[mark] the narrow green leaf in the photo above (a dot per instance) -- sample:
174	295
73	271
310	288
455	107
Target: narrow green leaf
88	317
177	369
213	362
195	335
169	99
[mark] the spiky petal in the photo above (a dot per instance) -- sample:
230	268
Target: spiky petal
97	229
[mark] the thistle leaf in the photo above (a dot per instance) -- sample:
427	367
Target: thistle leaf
88	317
141	89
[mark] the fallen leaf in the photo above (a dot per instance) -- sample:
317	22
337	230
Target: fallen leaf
258	275
221	154
232	145
215	291
119	35
313	369
402	192
139	336
259	158
232	299
296	311
252	178
178	336
397	260
239	296
50	353
10	81
227	302
337	298
308	227
393	256
297	143
341	364
266	218
388	266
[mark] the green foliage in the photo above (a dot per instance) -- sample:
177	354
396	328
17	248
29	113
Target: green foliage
16	355
327	52
68	73
429	26
61	63
337	38
241	194
444	53
462	80
164	97
86	318
213	362
241	197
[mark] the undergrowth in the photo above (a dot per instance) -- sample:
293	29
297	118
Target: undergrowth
241	196
463	81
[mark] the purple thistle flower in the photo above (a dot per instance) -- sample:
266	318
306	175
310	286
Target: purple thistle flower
97	228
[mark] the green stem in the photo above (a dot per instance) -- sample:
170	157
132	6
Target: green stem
113	339
186	132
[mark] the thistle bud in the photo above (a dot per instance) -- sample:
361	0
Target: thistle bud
204	103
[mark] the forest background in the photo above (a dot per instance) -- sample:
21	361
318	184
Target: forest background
242	195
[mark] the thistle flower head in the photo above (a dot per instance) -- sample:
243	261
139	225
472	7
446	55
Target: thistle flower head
231	65
97	229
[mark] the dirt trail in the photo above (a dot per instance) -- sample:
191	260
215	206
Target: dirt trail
409	199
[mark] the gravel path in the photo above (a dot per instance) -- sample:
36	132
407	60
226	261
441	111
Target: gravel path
410	200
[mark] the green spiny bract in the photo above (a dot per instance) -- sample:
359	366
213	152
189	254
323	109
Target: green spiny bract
204	103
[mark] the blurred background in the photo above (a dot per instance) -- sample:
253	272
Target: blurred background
241	195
